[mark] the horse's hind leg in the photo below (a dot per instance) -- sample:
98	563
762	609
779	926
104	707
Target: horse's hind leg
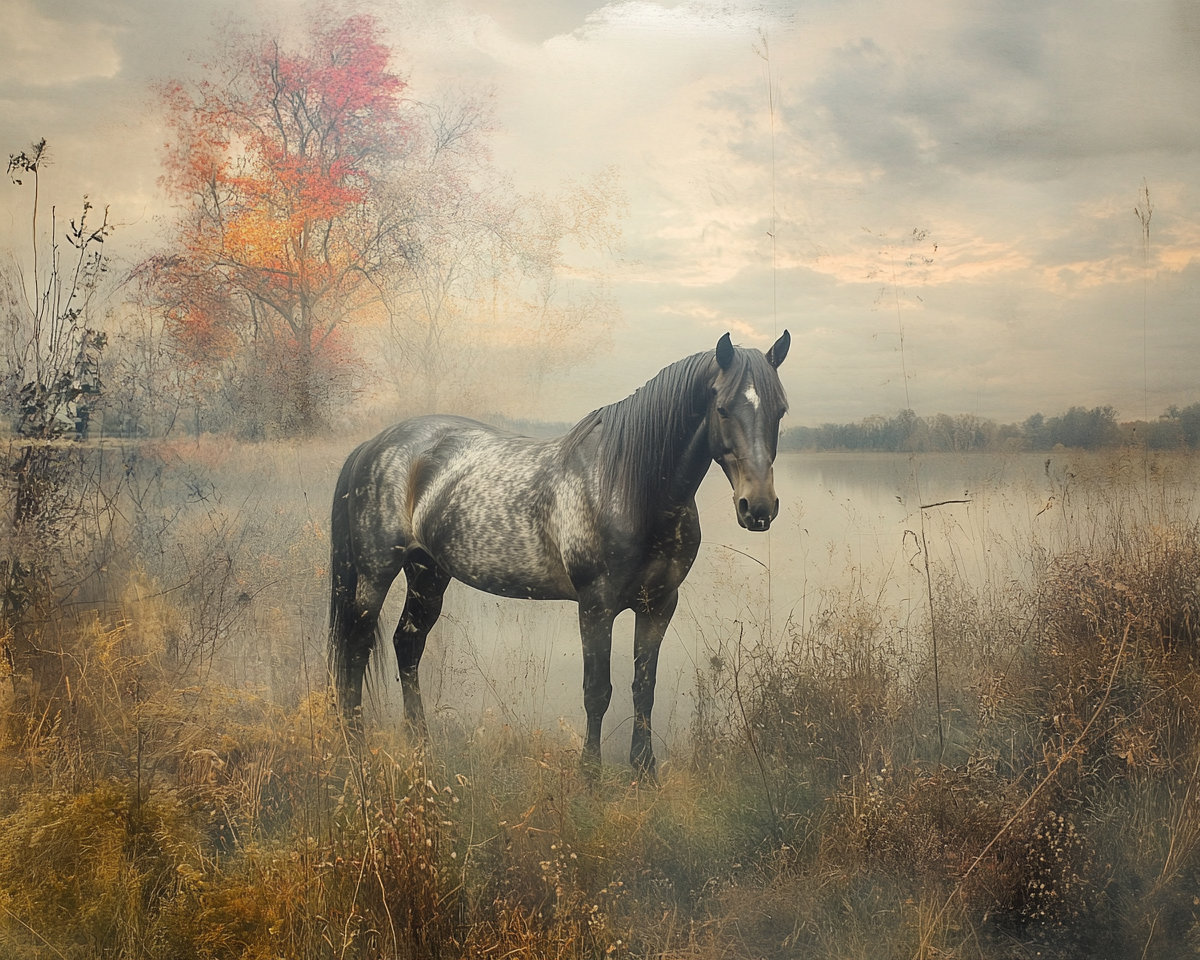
649	627
427	583
356	636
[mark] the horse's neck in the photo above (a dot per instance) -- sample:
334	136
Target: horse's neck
653	446
691	464
691	458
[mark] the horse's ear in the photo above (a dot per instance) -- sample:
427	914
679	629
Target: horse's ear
724	352
777	353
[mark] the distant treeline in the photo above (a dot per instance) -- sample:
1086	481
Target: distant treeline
1079	427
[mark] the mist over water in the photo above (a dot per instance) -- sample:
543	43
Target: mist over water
847	522
1064	596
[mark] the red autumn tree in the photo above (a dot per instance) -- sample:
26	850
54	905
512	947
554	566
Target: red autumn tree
276	159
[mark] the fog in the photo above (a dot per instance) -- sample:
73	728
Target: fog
849	526
946	706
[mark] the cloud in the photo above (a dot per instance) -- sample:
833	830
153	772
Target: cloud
1025	86
45	51
539	20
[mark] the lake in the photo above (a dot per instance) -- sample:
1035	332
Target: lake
849	528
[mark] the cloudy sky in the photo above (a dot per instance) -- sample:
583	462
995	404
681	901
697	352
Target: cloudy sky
967	172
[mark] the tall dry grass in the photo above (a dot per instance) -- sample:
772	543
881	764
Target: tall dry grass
174	782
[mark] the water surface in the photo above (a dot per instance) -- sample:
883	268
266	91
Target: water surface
849	525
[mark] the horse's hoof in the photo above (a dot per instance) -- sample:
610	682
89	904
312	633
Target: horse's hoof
589	766
353	719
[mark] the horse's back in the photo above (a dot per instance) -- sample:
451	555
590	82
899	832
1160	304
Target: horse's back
485	504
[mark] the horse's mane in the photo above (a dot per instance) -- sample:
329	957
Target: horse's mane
642	435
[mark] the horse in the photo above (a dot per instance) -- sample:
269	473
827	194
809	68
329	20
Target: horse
605	516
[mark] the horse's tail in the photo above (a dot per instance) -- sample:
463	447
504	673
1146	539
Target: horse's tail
351	637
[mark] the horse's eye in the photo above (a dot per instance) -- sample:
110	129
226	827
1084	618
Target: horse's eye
722	411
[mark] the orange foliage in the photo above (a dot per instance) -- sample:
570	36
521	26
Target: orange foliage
276	160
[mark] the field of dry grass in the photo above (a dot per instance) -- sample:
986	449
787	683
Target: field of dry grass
174	783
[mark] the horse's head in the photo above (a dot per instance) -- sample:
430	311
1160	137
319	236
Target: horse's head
745	407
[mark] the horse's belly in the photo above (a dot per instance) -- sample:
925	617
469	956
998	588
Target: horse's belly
502	554
519	588
503	567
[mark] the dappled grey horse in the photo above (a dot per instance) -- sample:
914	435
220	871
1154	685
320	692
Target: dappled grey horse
605	516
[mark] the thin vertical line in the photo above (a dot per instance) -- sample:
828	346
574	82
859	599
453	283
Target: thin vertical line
916	477
1144	217
1144	213
774	306
766	57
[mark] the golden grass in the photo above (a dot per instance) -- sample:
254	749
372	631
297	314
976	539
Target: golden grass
174	782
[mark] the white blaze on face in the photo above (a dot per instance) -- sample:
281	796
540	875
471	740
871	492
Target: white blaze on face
752	396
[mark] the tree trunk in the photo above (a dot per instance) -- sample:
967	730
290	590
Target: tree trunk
307	414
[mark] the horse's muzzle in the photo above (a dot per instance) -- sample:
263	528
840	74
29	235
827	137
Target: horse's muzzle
756	515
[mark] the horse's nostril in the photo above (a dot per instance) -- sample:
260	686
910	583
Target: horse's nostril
744	505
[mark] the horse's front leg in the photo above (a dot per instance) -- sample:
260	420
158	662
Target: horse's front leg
595	629
649	628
